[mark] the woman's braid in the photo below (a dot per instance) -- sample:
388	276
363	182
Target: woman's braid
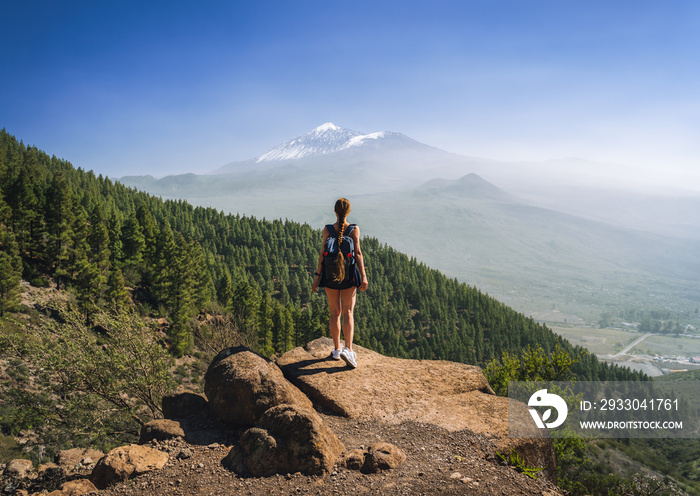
339	258
342	209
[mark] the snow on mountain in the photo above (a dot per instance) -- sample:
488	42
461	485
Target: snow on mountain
326	138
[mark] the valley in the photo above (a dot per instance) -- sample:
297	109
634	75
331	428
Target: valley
559	252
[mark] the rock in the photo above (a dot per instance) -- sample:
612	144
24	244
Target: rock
184	454
184	405
73	460
127	462
353	459
160	430
450	395
19	468
382	456
241	385
78	487
49	467
288	439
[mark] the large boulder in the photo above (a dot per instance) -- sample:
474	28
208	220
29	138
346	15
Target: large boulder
184	405
241	386
160	430
19	468
77	459
78	487
451	395
127	462
288	439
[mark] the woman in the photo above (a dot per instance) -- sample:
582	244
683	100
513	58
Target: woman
341	270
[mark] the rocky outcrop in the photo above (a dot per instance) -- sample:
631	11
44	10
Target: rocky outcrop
288	439
125	463
241	386
451	395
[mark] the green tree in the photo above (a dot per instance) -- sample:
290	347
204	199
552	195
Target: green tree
533	365
109	386
98	240
59	227
88	282
10	272
117	294
133	245
265	326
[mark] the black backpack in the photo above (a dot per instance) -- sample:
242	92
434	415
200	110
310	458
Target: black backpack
330	251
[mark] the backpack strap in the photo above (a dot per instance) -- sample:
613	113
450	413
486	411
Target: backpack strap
332	233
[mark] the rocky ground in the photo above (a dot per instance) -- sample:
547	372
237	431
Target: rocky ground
443	416
437	462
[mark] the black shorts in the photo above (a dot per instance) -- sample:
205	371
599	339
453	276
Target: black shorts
352	280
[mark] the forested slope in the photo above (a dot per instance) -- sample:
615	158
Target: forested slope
98	238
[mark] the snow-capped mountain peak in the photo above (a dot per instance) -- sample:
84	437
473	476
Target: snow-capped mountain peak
326	138
328	126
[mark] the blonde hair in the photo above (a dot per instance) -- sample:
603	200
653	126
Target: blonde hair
342	209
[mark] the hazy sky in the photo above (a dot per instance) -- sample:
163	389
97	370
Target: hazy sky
126	87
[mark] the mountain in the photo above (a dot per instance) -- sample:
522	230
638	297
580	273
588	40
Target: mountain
536	245
324	140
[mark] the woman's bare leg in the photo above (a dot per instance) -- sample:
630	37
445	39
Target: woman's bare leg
348	297
336	311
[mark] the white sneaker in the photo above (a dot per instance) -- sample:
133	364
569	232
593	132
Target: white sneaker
350	357
335	354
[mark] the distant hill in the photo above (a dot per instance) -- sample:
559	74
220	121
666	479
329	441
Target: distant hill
181	259
581	255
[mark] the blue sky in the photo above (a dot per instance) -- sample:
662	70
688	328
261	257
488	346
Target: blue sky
123	87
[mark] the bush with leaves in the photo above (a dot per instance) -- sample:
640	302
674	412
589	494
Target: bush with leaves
90	388
222	330
533	365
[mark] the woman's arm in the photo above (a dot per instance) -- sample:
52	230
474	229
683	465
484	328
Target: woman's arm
319	265
355	235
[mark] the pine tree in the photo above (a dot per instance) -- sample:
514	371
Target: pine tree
79	230
116	252
98	240
133	245
246	302
150	235
10	270
87	287
224	293
117	294
265	325
24	205
59	226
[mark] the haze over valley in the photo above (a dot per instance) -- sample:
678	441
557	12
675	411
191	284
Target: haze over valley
563	250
